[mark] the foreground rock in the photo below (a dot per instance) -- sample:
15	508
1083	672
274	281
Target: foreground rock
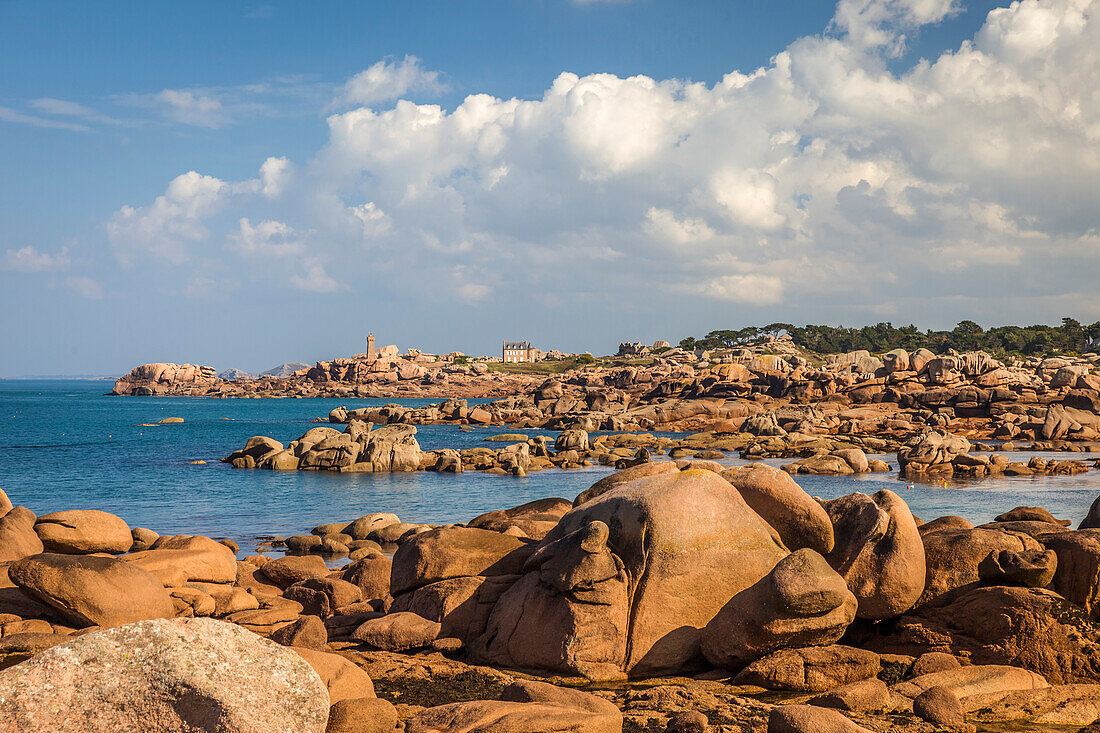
174	676
91	590
524	707
626	582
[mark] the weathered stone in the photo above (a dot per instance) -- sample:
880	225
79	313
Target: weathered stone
811	669
286	571
801	602
810	719
83	531
524	707
652	468
17	536
183	675
870	695
454	552
92	590
952	556
341	677
362	715
975	686
878	552
1030	568
308	632
679	545
396	632
940	706
771	493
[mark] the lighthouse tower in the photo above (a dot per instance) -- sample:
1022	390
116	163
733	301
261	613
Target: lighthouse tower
371	353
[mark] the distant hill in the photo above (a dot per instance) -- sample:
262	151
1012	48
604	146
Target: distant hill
285	370
234	375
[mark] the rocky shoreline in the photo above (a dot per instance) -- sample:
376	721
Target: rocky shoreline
686	597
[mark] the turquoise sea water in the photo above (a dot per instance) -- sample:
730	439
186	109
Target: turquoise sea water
64	445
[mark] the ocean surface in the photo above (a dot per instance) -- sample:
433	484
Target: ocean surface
65	445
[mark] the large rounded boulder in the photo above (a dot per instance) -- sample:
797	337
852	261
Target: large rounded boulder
801	602
91	590
17	536
83	531
774	495
625	582
878	552
179	675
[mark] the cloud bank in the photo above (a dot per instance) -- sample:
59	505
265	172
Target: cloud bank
825	183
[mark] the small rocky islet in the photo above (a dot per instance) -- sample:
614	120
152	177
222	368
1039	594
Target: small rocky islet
676	594
665	597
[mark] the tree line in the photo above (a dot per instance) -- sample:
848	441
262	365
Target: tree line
1039	340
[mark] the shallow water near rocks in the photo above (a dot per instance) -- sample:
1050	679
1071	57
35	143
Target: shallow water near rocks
64	445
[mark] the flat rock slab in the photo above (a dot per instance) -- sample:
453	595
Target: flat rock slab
172	676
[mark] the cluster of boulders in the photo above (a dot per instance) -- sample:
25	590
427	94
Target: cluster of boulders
938	453
855	608
384	374
160	379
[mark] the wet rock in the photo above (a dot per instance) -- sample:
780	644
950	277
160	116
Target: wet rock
123	678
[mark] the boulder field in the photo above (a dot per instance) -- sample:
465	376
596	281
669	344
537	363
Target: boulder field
664	597
774	401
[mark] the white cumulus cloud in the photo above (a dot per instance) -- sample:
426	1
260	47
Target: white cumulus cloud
389	79
827	182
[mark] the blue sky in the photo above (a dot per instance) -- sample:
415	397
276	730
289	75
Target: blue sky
638	189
